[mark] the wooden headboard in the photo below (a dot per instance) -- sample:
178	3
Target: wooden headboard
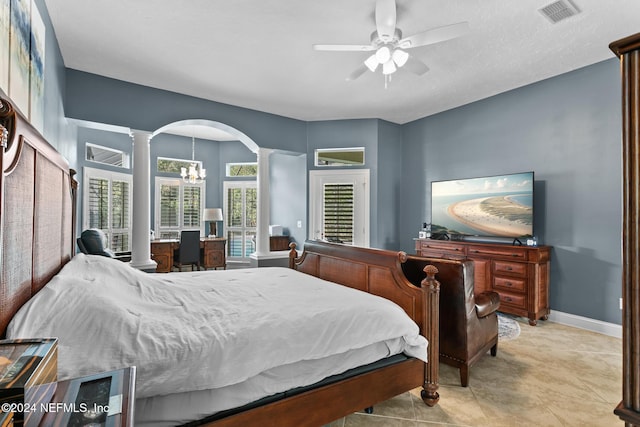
37	212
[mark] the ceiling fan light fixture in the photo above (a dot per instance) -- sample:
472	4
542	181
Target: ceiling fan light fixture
400	57
388	68
383	54
371	63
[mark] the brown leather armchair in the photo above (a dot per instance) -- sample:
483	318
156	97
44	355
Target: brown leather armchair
468	322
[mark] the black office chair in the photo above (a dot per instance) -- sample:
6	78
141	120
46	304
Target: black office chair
94	242
189	251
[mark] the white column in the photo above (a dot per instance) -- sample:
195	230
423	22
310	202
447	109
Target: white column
262	226
141	213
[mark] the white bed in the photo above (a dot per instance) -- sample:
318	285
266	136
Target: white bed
204	342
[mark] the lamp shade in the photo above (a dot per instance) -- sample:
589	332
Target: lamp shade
212	214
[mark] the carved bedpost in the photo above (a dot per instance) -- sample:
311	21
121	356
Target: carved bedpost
432	286
628	50
73	185
293	254
11	143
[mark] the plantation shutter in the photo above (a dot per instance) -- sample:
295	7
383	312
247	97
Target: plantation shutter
338	213
98	203
169	205
120	216
251	207
120	204
107	206
234	207
191	207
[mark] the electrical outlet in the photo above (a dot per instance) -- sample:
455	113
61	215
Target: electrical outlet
299	224
620	303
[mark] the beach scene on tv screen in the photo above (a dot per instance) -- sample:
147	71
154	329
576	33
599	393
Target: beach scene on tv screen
490	206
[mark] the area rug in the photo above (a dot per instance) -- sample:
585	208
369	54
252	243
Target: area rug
508	328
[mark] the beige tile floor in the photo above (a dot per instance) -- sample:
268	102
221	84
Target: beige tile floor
551	375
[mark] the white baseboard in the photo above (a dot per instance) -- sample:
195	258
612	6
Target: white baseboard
593	325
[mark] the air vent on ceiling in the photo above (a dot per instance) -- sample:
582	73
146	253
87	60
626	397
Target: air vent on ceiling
559	10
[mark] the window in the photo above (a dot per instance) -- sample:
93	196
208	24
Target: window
241	210
340	156
165	164
107	206
179	206
242	169
106	156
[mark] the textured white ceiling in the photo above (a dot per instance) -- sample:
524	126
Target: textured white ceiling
258	53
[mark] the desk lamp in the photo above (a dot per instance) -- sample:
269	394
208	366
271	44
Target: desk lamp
213	215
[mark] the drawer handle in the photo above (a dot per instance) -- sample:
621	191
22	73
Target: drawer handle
508	283
508	268
444	248
507	299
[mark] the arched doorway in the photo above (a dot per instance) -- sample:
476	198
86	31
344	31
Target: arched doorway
142	181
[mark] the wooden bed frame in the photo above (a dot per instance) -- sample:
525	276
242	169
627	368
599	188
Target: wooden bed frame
37	238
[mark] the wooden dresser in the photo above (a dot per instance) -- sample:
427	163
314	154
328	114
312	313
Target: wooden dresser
279	243
520	274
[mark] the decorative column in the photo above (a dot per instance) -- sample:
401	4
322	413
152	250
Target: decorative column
141	212
628	50
262	226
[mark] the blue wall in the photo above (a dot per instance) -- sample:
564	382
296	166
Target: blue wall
103	100
288	194
568	131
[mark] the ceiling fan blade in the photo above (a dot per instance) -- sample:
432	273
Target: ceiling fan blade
415	66
344	47
386	19
435	35
357	72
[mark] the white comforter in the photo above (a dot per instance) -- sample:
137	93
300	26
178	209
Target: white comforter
196	331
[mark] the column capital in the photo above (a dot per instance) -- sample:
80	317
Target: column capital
264	151
140	135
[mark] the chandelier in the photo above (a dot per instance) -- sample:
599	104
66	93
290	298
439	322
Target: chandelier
193	175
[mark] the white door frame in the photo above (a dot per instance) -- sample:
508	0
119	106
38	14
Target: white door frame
360	179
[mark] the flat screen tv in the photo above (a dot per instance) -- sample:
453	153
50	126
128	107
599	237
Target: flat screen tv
492	206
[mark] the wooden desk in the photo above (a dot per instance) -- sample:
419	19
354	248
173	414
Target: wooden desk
213	253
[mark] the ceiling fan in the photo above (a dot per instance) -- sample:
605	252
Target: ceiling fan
390	48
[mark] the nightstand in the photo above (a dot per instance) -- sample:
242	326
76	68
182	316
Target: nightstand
105	399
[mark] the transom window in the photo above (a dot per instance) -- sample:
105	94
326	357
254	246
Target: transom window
106	156
340	156
168	165
242	169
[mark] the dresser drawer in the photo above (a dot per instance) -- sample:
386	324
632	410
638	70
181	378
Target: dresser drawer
439	247
508	252
510	283
515	268
514	300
